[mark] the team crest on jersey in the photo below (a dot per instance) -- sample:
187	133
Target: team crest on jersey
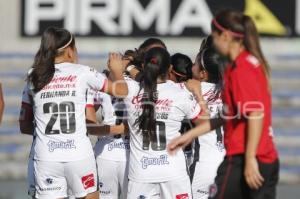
141	197
182	196
213	190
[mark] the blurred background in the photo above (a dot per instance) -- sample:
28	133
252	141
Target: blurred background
102	26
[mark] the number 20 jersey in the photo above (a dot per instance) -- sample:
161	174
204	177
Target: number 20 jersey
59	113
149	161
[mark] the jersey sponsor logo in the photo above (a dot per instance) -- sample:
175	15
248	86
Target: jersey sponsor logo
213	190
88	181
202	191
118	145
159	102
69	144
64	79
50	189
212	97
49	181
61	82
182	196
161	160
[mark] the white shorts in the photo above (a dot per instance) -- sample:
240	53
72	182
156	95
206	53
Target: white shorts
175	189
53	179
204	176
113	178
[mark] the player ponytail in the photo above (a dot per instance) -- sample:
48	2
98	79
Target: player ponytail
243	29
53	43
156	65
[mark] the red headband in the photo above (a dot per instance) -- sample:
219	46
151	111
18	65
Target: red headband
220	27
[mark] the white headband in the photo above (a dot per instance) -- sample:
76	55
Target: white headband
202	58
67	44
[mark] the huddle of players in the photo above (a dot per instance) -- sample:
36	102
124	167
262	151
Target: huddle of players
155	97
113	152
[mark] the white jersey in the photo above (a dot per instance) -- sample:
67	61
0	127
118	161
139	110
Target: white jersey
114	148
59	113
150	162
211	144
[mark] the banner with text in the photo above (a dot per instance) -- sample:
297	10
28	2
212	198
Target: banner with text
143	18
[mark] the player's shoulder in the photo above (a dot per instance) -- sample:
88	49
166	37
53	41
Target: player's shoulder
84	68
206	87
179	91
248	61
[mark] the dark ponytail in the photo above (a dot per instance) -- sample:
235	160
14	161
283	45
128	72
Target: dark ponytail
156	65
53	42
242	28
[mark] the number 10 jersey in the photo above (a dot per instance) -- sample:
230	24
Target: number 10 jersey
149	160
59	113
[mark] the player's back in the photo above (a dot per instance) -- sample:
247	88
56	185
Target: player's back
59	110
149	159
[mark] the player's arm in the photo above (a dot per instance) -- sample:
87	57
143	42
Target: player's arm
94	128
203	127
102	130
118	86
254	130
26	119
204	124
1	103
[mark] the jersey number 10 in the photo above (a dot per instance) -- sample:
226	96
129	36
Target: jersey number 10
66	113
158	141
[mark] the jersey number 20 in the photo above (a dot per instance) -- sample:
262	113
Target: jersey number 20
66	113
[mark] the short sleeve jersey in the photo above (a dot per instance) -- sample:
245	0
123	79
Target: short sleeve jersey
59	113
246	90
149	160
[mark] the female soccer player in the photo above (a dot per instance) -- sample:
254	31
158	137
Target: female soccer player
156	108
55	99
111	151
180	72
250	168
208	149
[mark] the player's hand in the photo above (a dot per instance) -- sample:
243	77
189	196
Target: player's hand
252	175
194	86
178	143
115	62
